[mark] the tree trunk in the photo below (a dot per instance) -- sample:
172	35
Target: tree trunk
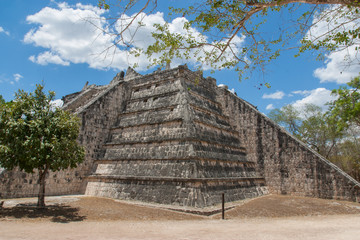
41	196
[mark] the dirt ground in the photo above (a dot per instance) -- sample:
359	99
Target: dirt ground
269	217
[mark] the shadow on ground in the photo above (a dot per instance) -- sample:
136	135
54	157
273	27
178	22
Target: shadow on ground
59	213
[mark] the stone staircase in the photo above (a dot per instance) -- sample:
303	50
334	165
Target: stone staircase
172	144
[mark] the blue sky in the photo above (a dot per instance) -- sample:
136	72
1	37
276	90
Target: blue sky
47	41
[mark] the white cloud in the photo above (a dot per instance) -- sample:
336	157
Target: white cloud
301	92
10	80
57	103
319	97
270	107
17	77
3	31
68	35
91	8
141	37
72	34
276	95
342	64
337	67
48	57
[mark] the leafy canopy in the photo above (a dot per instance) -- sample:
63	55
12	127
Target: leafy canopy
288	117
36	135
346	109
309	125
234	33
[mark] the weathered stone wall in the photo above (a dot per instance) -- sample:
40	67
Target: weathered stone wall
180	192
172	144
73	104
288	165
96	117
173	137
15	183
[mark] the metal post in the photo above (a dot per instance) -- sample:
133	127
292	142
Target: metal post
223	206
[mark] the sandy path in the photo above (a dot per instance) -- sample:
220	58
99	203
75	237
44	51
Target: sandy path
336	227
271	217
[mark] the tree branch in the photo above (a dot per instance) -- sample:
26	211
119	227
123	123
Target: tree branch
278	3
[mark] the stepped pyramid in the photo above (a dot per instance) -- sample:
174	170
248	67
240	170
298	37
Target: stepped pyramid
172	144
174	137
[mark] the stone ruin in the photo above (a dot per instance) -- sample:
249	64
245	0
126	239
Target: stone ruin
174	137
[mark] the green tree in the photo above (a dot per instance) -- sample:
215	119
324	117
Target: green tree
347	152
2	100
223	21
287	117
311	126
318	131
35	135
345	110
345	113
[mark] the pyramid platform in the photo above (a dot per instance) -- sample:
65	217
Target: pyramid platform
173	144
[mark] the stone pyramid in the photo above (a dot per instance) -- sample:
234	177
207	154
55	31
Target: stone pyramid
172	144
174	137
